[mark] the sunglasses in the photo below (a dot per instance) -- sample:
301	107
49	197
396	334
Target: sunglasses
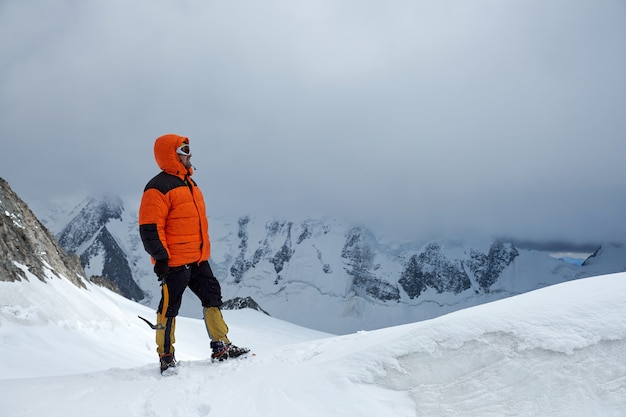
183	149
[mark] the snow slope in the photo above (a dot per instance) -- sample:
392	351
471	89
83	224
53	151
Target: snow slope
558	351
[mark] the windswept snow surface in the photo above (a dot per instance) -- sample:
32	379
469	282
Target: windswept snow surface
558	351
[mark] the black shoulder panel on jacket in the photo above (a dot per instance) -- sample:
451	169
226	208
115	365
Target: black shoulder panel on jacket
164	182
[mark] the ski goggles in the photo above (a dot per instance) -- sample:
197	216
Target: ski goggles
183	149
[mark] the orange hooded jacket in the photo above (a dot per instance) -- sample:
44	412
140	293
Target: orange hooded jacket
172	216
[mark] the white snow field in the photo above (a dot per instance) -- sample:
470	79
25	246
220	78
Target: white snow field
557	351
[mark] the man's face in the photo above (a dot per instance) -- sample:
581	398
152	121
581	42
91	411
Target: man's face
184	155
186	160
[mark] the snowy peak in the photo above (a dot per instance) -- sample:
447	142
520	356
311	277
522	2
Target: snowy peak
369	269
92	217
90	235
25	243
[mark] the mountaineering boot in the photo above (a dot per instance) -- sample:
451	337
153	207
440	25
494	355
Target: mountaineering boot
220	351
167	361
223	351
234	351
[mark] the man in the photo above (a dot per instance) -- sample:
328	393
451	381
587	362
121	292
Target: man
174	230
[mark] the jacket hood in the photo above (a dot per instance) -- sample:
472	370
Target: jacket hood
166	157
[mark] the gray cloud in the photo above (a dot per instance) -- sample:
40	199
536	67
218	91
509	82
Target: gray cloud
418	118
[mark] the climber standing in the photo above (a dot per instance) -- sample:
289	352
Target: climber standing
174	230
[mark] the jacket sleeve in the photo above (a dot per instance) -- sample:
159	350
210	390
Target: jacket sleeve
152	214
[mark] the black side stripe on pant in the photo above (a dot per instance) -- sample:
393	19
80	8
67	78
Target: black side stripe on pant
167	341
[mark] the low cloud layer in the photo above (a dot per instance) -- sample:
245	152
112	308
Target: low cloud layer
416	118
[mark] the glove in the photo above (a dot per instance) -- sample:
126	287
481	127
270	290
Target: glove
161	268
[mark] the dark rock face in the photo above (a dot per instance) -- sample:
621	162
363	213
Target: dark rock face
432	269
488	267
24	240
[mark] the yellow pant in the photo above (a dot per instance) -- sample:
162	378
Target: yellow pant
215	324
202	283
165	335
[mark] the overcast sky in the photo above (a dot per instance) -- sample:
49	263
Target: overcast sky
416	117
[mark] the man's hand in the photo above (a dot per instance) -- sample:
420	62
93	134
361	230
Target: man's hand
161	268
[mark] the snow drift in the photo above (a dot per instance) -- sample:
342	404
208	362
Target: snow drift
558	351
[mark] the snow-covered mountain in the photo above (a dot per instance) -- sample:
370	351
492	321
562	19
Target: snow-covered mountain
326	273
96	234
69	347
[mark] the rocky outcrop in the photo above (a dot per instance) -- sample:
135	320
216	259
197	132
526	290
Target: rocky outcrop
432	269
239	303
25	241
488	267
